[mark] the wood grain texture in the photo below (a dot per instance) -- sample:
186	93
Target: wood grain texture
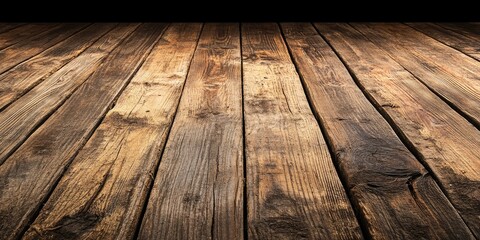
22	33
441	138
446	71
15	54
5	27
293	189
21	78
462	43
29	175
395	195
19	119
111	175
471	29
198	190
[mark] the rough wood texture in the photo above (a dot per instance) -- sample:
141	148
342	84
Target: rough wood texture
18	80
467	29
21	33
117	163
448	72
5	27
22	117
29	175
442	138
198	191
15	54
462	43
395	195
293	189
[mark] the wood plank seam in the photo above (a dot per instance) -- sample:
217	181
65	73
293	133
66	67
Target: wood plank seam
415	27
293	188
44	117
444	84
43	50
245	175
362	222
92	131
146	46
420	158
4	103
467	117
89	134
154	175
6	29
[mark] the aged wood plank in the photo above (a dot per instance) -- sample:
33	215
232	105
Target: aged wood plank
440	137
395	195
468	29
18	80
18	120
4	27
28	176
446	71
15	54
293	189
110	177
24	32
198	191
462	43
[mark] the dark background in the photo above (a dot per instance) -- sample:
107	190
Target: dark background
178	10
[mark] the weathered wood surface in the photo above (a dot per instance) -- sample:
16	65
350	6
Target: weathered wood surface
390	187
19	119
198	190
17	53
449	73
462	43
440	137
468	29
21	78
117	164
124	131
29	175
5	27
293	190
15	35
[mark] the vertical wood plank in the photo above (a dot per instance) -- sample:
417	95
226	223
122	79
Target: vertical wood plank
293	189
198	190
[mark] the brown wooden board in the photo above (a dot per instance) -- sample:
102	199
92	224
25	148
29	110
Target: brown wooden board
110	177
198	190
18	120
21	33
40	41
471	29
293	190
394	194
5	27
441	138
462	43
449	73
21	78
29	175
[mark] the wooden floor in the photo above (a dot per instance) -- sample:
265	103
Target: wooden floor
235	131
